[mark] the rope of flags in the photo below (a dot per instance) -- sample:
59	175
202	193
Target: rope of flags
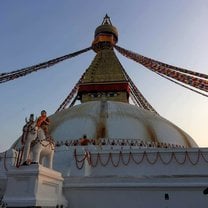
187	77
183	85
195	81
71	95
5	77
137	96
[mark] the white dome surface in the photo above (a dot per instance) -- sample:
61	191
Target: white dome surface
115	120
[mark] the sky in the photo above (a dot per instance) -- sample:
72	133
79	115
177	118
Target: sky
31	32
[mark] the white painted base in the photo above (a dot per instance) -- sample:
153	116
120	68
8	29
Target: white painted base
34	185
136	192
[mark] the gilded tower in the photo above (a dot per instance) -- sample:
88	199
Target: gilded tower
104	79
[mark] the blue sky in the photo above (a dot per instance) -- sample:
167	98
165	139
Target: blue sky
31	32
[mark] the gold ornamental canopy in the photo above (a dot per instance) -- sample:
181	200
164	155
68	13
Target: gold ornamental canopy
106	35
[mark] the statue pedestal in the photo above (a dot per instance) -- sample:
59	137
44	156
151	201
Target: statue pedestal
33	186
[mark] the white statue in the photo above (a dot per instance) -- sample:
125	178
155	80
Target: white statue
29	135
36	147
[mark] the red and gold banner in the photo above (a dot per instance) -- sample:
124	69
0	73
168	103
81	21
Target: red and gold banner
5	77
193	79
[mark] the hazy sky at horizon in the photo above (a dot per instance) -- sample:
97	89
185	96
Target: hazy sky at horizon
174	32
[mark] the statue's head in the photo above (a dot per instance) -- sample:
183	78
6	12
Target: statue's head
31	119
30	126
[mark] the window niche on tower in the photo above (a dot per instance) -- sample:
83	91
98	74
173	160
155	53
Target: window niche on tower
166	196
205	191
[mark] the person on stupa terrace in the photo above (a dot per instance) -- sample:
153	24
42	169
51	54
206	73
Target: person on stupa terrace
43	122
84	141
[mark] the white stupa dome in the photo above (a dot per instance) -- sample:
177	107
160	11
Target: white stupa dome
116	120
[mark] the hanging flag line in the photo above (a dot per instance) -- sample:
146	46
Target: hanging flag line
186	71
5	77
183	85
197	81
137	96
71	95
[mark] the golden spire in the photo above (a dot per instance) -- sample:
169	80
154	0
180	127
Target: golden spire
106	20
106	35
105	78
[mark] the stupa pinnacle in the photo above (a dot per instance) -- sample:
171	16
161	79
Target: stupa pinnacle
106	35
105	76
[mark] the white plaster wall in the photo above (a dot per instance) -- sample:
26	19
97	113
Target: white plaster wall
137	197
145	168
143	185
